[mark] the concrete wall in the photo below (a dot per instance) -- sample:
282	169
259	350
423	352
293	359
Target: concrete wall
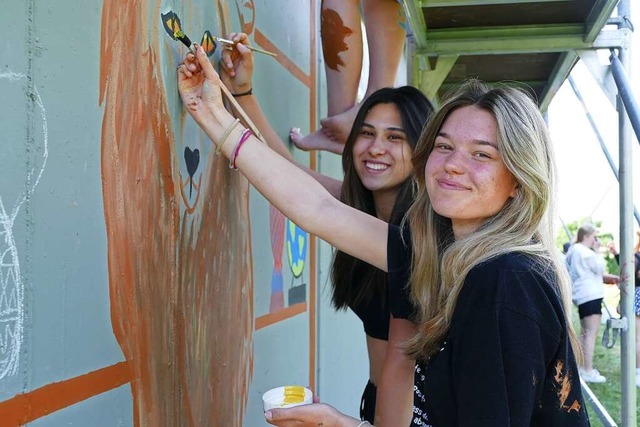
140	283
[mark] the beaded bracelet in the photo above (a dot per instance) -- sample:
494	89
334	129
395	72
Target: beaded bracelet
226	135
245	135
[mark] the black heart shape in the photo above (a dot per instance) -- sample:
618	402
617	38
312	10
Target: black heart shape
192	159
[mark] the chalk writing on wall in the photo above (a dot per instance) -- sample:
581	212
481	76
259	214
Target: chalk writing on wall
11	284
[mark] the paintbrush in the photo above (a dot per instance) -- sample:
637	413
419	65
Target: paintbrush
241	112
255	49
180	35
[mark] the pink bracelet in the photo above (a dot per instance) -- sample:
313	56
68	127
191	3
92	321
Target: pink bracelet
243	137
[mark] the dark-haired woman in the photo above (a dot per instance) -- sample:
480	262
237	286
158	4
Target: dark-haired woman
377	166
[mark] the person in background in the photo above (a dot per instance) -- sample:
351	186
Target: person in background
377	167
587	270
494	341
342	49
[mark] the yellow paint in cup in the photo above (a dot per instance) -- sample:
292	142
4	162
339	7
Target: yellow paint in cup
287	397
293	394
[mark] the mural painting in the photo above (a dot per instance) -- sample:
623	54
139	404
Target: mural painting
297	255
176	219
180	268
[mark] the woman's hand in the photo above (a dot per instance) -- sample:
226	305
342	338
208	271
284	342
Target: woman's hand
237	64
199	87
317	414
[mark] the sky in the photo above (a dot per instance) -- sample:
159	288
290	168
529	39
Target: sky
588	188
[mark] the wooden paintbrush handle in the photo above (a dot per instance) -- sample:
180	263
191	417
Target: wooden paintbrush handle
266	52
241	112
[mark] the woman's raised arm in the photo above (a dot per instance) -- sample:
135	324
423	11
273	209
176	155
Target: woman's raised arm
296	194
236	73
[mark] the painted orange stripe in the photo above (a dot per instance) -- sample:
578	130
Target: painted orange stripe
289	65
279	316
27	407
312	245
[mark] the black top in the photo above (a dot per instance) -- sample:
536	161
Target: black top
375	313
507	360
399	265
375	317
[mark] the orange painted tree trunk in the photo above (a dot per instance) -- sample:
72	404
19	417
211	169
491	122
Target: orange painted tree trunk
180	280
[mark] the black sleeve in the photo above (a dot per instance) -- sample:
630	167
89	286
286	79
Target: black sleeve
499	362
399	265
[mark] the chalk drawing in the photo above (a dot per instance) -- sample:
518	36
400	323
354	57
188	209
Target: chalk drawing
11	286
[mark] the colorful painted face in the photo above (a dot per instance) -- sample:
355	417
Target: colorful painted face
466	179
381	153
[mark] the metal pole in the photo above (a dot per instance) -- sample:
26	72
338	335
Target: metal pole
604	148
625	92
627	289
597	406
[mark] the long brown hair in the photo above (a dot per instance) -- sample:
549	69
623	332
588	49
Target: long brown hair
440	264
354	281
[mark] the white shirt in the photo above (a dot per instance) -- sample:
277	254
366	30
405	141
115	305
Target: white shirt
586	268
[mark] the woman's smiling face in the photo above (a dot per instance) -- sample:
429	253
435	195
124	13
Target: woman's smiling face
466	178
381	153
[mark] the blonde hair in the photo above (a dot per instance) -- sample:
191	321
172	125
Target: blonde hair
524	224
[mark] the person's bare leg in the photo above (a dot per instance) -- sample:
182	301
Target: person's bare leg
385	52
342	51
589	331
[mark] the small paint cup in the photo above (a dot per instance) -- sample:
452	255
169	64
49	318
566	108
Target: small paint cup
287	397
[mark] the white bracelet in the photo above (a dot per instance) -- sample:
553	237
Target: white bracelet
363	424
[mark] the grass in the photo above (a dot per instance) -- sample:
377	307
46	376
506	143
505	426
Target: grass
607	361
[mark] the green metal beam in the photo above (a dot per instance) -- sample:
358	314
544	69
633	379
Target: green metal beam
558	75
430	80
598	17
517	39
415	18
453	3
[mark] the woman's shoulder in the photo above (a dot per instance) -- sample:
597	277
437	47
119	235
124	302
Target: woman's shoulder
516	262
519	282
398	248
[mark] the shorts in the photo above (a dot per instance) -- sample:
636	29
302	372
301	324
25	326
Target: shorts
368	403
590	308
636	301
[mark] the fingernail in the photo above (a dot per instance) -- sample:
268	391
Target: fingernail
268	415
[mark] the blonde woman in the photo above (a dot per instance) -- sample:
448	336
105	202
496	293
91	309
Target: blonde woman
494	341
587	269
